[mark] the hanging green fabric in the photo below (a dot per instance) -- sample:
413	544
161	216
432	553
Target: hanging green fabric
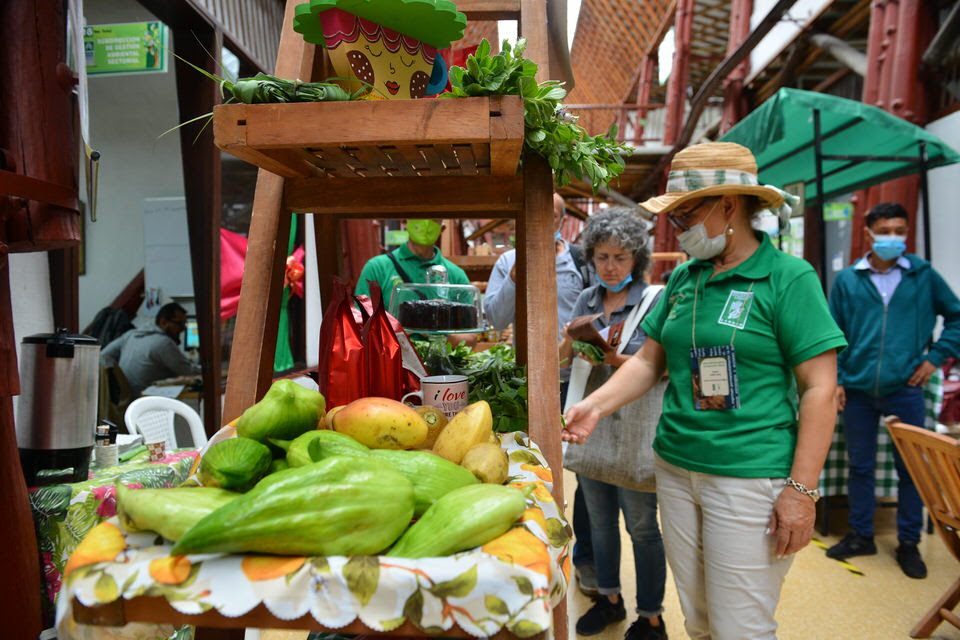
283	357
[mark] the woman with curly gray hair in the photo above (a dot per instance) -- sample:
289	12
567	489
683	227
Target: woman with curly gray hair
616	474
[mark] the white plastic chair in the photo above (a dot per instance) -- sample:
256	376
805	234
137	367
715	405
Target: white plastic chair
153	417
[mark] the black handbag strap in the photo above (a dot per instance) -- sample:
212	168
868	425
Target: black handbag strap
400	272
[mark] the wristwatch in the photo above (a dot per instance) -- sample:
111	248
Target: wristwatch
813	494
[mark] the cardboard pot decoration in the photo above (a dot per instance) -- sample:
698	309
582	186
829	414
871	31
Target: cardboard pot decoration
391	45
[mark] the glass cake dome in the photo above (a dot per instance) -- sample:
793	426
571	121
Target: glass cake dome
437	307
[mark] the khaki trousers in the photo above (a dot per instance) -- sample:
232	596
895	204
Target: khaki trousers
723	562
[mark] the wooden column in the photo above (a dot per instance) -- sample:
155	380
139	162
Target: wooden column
677	85
250	376
196	95
537	329
648	69
734	103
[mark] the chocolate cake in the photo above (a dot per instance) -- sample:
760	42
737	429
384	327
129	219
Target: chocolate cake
437	315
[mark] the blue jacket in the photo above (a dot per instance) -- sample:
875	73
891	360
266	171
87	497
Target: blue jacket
888	343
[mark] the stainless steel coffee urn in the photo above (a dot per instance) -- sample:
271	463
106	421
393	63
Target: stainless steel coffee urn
57	408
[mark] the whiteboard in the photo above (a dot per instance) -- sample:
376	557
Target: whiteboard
166	243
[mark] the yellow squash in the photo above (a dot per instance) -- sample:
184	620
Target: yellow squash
470	427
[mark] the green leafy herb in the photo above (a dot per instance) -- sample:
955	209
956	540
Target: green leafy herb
592	351
550	131
492	375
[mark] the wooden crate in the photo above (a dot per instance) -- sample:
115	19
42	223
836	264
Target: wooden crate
376	138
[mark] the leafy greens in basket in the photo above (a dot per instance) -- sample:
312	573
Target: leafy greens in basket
549	130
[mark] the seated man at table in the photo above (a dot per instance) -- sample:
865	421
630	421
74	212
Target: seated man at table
887	306
148	355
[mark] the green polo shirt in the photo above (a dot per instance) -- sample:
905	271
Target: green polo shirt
382	270
783	321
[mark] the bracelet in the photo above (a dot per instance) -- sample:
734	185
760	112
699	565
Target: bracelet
813	494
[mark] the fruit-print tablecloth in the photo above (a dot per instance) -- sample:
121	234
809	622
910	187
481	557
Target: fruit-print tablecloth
63	514
512	582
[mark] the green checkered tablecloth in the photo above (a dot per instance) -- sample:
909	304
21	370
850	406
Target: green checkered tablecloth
833	479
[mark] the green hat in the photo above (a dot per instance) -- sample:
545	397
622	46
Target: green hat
435	22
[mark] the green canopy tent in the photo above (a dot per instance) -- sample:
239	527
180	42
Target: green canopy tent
837	146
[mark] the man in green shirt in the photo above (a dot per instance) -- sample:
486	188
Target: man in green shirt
413	258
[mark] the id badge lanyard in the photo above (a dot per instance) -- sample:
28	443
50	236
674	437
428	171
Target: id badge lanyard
713	369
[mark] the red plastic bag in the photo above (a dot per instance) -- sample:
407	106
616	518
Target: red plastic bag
383	361
413	368
341	374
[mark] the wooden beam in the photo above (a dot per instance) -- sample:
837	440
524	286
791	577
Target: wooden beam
201	180
373	122
665	23
396	197
490	226
506	130
490	9
536	328
832	79
533	27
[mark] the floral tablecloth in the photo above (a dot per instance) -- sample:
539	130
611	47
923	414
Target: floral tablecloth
63	514
512	582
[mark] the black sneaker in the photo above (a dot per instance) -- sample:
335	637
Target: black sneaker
643	630
852	545
601	615
908	557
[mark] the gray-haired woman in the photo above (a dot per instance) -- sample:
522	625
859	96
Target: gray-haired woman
615	240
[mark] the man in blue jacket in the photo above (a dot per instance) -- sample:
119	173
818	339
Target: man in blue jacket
887	305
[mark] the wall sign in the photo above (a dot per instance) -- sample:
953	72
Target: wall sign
131	47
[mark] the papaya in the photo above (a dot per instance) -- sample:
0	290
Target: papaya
436	420
286	411
344	505
235	463
462	519
469	427
381	423
488	462
432	476
168	512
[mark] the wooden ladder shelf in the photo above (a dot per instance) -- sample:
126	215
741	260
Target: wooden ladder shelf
428	158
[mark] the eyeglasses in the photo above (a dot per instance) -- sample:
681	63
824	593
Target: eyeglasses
682	221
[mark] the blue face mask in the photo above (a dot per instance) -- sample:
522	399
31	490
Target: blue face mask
616	287
557	237
888	247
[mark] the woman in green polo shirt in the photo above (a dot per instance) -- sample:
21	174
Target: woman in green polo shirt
750	347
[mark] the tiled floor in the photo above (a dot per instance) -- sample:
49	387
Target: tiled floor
821	599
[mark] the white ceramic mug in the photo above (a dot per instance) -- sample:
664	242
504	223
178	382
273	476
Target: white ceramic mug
447	393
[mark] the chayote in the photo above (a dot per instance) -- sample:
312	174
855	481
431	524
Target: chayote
344	505
286	411
235	464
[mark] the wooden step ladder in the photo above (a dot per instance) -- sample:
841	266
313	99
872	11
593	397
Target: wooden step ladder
423	158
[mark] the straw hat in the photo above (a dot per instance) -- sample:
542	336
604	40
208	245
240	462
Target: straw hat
713	169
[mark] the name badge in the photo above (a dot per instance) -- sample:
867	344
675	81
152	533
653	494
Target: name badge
736	309
714	376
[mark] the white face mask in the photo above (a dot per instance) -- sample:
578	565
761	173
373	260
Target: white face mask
697	244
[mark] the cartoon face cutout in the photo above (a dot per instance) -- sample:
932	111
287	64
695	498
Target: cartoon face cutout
397	67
